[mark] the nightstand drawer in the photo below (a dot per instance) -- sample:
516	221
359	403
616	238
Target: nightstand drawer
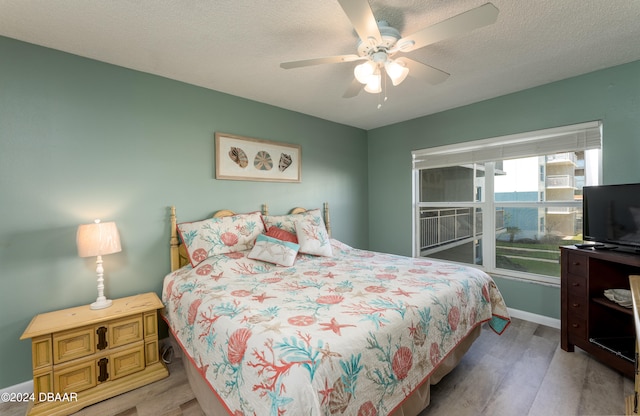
151	324
73	344
151	351
75	377
97	353
127	362
42	383
41	352
125	331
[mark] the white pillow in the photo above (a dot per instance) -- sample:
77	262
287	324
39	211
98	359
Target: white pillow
271	250
313	238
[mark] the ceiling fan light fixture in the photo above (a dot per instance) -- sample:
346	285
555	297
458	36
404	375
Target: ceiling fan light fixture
378	42
364	71
374	84
396	71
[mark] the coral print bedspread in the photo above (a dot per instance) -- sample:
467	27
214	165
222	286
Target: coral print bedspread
350	334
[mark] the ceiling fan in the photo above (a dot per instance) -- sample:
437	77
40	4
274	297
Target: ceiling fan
379	43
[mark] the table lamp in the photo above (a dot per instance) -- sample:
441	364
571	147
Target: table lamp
96	240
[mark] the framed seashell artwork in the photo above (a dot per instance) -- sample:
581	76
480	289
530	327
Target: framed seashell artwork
248	159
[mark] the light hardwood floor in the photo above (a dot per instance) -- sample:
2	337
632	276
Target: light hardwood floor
522	372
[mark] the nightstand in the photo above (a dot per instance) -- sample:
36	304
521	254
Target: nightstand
82	356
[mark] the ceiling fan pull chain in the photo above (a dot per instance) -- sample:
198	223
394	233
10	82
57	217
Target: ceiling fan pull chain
384	89
384	92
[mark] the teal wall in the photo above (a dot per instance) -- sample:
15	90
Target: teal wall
81	139
611	95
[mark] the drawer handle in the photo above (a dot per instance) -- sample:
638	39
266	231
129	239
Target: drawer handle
104	375
575	325
576	305
102	337
576	263
574	284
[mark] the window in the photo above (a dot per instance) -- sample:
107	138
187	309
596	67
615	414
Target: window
506	204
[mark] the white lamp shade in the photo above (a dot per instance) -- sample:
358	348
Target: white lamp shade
364	71
396	71
98	239
374	84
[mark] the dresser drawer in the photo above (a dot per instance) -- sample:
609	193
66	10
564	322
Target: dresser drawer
76	343
577	328
577	286
578	307
577	264
125	331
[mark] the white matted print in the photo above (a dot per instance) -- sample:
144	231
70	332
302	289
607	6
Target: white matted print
247	159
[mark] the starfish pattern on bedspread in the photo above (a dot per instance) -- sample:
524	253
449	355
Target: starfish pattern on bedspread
351	334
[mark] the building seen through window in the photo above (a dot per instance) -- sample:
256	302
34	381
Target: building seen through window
506	216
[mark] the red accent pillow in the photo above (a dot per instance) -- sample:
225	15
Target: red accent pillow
281	234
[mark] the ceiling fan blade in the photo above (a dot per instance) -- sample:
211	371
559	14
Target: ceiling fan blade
320	61
424	72
362	19
354	89
465	22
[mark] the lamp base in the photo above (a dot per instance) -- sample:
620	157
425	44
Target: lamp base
101	304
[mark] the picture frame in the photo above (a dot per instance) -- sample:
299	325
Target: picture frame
247	159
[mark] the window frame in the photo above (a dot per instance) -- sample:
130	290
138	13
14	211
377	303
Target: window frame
571	138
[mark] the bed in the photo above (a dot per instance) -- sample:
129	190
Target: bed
276	317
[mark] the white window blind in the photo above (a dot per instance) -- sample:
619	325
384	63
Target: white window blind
576	137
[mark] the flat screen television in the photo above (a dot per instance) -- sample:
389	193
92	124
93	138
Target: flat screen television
611	214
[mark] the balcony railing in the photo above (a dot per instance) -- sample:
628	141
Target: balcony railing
561	210
568	157
447	225
560	181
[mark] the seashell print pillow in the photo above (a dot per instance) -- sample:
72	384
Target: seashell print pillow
206	238
287	222
231	265
271	250
313	238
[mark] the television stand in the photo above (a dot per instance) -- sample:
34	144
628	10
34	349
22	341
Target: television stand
588	319
604	247
589	245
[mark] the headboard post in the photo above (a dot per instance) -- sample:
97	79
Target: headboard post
327	220
174	241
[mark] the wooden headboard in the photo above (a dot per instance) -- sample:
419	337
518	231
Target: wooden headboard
177	251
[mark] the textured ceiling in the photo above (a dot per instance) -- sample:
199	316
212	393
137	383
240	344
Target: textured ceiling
236	46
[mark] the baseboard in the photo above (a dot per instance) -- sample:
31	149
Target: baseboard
533	317
26	387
